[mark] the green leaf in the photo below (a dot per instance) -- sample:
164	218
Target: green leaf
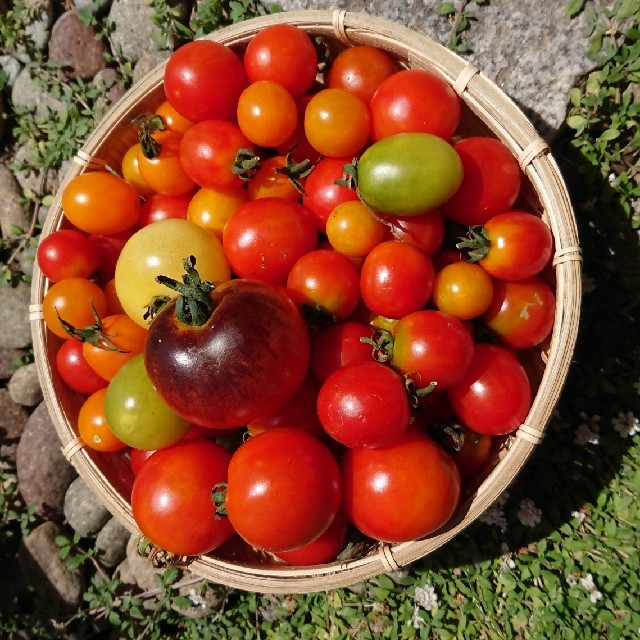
445	9
574	7
576	122
627	9
609	134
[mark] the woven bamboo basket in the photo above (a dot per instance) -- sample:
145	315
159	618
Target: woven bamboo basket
486	110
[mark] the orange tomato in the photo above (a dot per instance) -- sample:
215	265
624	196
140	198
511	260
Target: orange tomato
173	120
269	183
93	427
131	171
212	208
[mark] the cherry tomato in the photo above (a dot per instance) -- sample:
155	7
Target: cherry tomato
270	182
265	237
426	230
113	302
414	100
352	230
203	81
101	202
67	253
491	181
159	206
396	279
131	171
283	490
109	248
468	449
284	54
93	427
171	498
75	370
173	120
401	491
463	290
212	208
298	145
494	396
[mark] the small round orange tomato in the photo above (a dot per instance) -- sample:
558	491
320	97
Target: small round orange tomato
125	340
352	230
93	427
337	123
463	290
74	300
173	120
113	302
267	113
131	171
164	173
212	208
101	202
269	183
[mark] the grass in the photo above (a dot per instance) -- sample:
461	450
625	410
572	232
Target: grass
557	555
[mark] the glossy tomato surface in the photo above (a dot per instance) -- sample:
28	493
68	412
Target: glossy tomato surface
67	253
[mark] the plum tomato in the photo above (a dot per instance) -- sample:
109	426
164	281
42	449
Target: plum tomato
352	230
401	491
171	498
463	290
160	207
283	490
364	405
67	253
75	370
494	395
93	427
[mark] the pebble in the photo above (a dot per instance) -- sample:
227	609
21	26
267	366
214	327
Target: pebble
11	67
27	93
12	214
109	78
111	543
24	386
39	182
83	511
44	474
148	61
15	331
8	358
39	28
13	418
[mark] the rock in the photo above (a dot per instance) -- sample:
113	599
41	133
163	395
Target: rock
113	89
15	331
28	259
39	27
43	472
24	386
111	543
8	358
85	514
12	214
39	556
73	45
11	67
92	7
26	93
148	62
13	418
28	177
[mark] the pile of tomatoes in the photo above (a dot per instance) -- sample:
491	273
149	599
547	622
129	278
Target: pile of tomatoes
300	304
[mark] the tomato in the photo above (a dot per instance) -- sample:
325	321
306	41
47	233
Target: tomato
323	549
491	181
243	360
337	123
267	113
360	70
109	248
172	119
75	370
120	340
515	245
203	81
402	491
468	449
414	100
265	237
432	346
352	230
159	206
93	427
171	498
283	490
364	405
67	253
521	314
208	152
424	230
284	54
131	171
101	202
113	303
463	290
408	174
322	194
338	345
212	208
74	300
326	279
137	414
159	249
494	396
298	145
270	182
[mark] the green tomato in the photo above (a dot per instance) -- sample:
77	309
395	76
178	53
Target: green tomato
409	174
137	414
159	249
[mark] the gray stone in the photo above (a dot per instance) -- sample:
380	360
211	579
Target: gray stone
93	7
12	214
7	361
109	79
43	472
85	514
13	418
39	556
15	331
24	386
11	67
133	31
111	543
27	93
28	177
39	28
148	61
27	260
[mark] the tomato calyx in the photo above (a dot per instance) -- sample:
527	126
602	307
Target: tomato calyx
218	497
155	307
416	393
451	434
160	558
93	334
476	243
246	164
382	343
317	318
149	124
296	171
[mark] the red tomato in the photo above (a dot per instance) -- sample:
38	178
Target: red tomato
203	81
494	396
93	427
414	101
75	370
208	151
364	405
491	181
264	238
521	313
474	452
67	254
283	490
160	207
284	54
171	497
396	279
425	231
109	248
402	491
463	290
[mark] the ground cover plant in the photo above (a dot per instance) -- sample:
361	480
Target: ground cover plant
556	556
